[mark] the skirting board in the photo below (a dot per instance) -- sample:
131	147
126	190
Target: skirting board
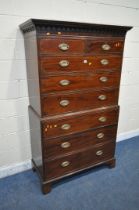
127	135
23	166
15	168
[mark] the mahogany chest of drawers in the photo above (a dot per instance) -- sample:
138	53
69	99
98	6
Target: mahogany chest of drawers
73	72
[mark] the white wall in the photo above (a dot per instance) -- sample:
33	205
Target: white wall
14	126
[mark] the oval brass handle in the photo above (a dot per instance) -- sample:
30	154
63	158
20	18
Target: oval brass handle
63	46
65	127
102	119
99	152
106	47
103	79
65	145
102	97
64	103
104	62
64	82
64	63
100	135
65	164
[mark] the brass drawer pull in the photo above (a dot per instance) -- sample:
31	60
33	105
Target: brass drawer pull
102	97
103	79
63	46
65	164
102	119
64	103
65	145
104	62
99	153
65	127
100	135
64	82
106	47
64	63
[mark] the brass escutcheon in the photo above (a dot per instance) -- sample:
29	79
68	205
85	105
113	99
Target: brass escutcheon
106	47
99	152
103	79
102	97
104	62
64	103
64	82
100	135
65	127
63	46
65	164
102	119
64	63
65	145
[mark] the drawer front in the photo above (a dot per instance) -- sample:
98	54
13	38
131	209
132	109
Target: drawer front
104	46
69	102
82	81
78	123
62	146
60	45
73	163
63	45
68	64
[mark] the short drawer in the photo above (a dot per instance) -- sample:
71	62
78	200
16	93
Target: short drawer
79	81
73	163
53	104
61	146
60	45
104	46
83	63
64	45
77	123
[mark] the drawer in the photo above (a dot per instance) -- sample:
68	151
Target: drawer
73	163
79	81
83	63
53	104
63	45
61	146
104	46
60	45
77	123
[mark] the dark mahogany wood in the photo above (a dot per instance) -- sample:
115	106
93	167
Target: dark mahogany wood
46	188
79	160
79	81
50	45
86	79
53	147
51	64
78	101
78	123
111	163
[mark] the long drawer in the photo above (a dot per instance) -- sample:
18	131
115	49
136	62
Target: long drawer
83	63
79	81
73	163
62	45
66	125
61	146
53	104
